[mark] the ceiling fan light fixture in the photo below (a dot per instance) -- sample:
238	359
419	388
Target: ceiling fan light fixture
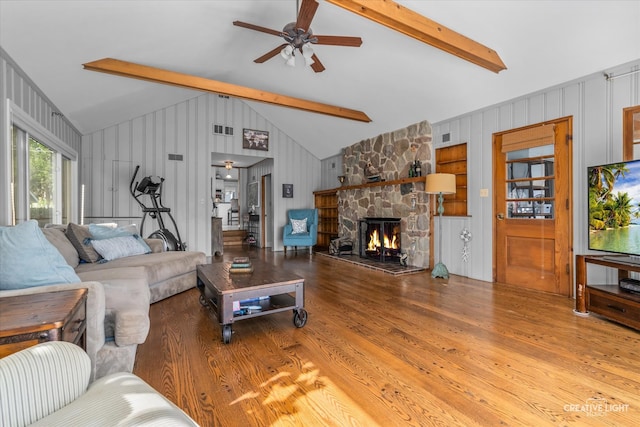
286	52
307	53
291	61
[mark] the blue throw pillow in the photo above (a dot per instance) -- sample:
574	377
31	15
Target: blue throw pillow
118	247
101	232
27	259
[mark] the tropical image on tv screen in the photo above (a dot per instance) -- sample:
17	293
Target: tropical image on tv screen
614	211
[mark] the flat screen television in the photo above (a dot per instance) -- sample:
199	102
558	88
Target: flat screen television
614	209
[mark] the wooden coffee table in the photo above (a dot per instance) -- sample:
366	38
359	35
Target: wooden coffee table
240	296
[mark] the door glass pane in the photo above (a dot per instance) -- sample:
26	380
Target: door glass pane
41	183
65	188
14	175
531	183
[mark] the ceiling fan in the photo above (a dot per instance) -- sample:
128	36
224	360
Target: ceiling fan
298	36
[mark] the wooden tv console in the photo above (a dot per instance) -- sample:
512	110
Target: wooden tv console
607	300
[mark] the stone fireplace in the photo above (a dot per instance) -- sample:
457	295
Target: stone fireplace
391	154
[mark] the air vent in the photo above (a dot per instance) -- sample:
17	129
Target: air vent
177	157
446	137
222	130
223	96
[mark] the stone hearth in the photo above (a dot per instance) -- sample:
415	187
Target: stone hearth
391	154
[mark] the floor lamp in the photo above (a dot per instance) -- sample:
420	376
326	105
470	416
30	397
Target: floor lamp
440	183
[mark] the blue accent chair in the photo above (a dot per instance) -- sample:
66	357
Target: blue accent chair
309	238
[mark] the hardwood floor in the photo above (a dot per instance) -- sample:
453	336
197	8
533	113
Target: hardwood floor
380	350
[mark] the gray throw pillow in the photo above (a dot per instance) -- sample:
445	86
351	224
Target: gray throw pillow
80	238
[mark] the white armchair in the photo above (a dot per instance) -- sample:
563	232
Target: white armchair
48	385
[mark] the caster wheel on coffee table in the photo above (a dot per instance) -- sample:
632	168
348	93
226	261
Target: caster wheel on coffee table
300	317
226	334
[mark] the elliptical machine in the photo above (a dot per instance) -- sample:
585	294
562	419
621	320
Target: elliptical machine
152	186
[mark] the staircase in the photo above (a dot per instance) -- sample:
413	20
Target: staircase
233	237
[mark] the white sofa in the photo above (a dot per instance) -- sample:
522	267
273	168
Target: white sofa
49	385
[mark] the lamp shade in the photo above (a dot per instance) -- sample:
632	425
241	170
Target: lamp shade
437	183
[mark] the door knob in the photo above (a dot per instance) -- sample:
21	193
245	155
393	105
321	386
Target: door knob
500	216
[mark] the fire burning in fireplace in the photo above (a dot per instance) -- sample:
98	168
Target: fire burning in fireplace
375	243
380	239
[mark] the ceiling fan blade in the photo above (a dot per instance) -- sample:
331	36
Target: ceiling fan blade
158	75
306	13
412	24
339	40
257	28
270	54
317	65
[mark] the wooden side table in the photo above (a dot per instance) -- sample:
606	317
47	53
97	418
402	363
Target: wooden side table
26	320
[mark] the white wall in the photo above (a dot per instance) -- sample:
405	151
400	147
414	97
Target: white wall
595	104
109	155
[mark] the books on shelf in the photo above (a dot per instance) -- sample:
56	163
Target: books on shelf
241	265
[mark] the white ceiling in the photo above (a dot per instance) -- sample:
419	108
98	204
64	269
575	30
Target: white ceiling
395	79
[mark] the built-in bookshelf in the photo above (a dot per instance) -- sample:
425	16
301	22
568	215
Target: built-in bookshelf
326	201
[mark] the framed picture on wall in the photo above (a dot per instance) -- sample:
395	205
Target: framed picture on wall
255	139
287	191
252	195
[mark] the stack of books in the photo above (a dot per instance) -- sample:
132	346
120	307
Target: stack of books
241	265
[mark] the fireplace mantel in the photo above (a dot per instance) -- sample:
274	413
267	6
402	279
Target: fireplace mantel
382	183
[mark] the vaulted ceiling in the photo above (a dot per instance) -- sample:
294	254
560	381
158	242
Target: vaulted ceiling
396	80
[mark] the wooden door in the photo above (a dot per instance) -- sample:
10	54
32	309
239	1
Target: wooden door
533	210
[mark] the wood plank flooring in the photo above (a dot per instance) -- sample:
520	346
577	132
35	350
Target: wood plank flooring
383	350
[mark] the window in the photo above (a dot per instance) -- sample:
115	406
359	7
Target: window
531	183
41	185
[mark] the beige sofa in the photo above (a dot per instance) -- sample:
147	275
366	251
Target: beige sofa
120	292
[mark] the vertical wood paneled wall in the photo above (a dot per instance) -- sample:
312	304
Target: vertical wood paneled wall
594	102
331	170
19	88
110	155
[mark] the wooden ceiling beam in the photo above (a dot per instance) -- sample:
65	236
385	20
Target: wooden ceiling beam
158	75
410	23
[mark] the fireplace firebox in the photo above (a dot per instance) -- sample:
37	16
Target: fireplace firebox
379	239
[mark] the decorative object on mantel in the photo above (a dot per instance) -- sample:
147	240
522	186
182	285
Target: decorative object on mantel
415	169
372	173
465	235
440	183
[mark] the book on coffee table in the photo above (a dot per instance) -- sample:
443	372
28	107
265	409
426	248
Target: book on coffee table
241	263
241	269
